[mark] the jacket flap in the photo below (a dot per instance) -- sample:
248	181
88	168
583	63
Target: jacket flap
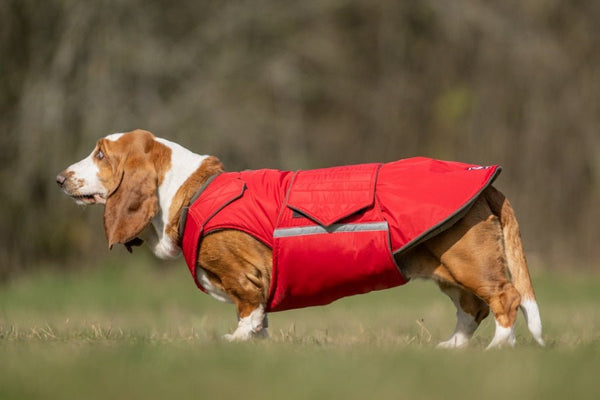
329	195
221	194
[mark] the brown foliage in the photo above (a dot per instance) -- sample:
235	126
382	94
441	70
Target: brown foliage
294	84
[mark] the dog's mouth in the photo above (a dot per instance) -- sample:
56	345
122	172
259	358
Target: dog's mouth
87	199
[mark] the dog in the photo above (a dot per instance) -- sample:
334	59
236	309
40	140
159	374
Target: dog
323	226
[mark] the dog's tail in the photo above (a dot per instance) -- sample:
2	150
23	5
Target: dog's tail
515	258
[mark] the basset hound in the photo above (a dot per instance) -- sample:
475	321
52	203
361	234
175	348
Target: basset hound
175	200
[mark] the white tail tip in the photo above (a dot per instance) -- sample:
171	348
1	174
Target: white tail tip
532	316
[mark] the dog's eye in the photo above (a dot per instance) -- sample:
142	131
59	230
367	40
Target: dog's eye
99	155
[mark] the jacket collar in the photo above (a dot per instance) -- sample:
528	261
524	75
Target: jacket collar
184	211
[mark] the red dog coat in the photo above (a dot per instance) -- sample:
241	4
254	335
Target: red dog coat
334	231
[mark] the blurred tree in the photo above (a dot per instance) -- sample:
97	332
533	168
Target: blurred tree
289	84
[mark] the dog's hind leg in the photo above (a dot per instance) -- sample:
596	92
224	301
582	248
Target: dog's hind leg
420	263
473	252
470	311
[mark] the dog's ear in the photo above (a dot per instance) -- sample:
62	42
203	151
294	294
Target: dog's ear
133	204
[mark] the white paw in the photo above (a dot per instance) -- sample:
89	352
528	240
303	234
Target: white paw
253	326
229	337
243	335
455	342
503	336
237	336
258	319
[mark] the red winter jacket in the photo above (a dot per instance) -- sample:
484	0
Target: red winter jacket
334	231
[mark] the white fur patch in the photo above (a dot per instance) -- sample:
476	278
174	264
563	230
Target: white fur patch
114	137
183	164
503	336
532	316
465	324
250	326
465	327
85	172
215	292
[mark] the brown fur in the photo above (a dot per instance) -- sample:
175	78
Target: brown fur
209	167
239	265
132	167
515	256
470	261
470	256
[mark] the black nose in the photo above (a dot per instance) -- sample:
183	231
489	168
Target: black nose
60	179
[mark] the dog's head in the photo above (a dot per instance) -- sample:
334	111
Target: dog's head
122	172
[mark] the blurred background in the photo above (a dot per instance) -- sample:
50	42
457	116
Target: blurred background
303	84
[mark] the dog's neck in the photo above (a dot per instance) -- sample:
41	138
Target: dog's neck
187	173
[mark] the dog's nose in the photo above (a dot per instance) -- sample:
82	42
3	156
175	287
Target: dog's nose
60	179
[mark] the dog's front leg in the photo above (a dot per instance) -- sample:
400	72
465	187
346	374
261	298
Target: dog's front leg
253	325
240	266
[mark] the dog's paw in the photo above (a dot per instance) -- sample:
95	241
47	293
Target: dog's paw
503	337
243	335
230	337
252	326
237	336
452	343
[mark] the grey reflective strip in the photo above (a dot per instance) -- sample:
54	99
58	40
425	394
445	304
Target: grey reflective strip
335	228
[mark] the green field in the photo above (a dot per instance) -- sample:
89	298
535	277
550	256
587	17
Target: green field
129	331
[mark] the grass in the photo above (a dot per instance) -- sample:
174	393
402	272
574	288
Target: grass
133	331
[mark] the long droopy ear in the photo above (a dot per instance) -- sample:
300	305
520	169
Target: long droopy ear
131	207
